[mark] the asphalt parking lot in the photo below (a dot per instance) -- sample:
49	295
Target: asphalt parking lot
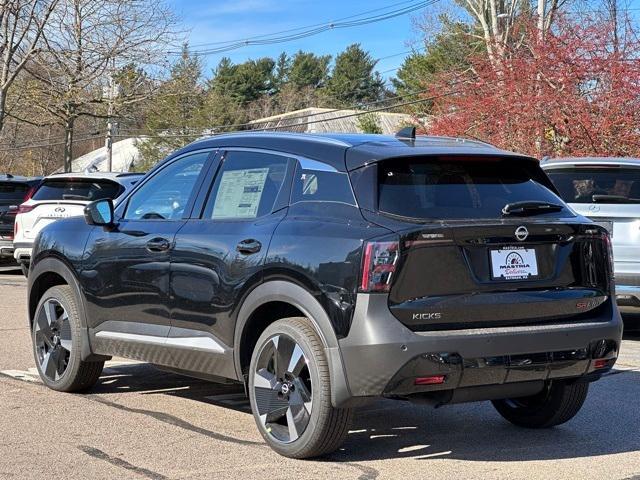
140	422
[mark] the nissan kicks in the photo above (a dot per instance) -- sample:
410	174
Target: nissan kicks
322	271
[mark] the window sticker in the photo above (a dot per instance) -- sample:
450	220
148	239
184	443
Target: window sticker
239	193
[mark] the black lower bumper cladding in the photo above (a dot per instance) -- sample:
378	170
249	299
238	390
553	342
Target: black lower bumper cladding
517	374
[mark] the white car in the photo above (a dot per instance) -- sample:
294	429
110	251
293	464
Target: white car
61	196
607	190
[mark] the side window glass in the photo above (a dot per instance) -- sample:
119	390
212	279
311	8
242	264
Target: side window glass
165	196
246	186
321	186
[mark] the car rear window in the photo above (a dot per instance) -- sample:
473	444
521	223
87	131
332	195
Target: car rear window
458	188
597	184
321	186
13	190
77	189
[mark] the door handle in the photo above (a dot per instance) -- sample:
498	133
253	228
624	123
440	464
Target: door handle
249	246
158	245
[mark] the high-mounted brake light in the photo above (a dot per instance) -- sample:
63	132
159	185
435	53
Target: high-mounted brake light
378	265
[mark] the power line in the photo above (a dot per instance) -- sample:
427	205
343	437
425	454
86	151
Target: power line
353	107
358	106
306	27
273	38
47	145
307	122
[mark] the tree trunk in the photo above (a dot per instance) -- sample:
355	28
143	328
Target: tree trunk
541	12
3	103
68	142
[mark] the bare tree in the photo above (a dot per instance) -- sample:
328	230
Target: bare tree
88	43
497	18
22	23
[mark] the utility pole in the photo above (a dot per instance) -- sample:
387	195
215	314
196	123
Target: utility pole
108	141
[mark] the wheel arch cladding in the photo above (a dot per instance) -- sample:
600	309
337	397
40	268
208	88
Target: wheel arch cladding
292	300
48	273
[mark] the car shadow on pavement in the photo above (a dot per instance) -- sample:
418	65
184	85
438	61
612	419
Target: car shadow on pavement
608	423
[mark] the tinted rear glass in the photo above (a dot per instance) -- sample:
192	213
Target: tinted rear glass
13	190
597	184
446	188
321	186
77	189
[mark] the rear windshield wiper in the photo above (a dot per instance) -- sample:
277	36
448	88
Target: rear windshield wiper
530	207
602	198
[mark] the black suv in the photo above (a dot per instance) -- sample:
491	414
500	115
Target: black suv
322	271
14	190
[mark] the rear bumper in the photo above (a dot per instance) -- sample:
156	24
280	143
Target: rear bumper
6	248
381	357
22	251
627	279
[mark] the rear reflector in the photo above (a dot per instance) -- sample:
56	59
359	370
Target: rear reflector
434	380
379	261
601	363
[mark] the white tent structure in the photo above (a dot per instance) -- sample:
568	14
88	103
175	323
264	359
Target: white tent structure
125	155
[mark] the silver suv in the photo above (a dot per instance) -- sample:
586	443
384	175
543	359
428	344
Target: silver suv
607	190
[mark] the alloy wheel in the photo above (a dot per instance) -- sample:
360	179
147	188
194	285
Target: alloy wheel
282	388
52	338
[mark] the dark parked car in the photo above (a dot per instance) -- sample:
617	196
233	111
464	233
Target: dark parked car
323	271
14	190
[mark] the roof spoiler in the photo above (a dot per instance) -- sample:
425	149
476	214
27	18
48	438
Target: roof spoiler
407	133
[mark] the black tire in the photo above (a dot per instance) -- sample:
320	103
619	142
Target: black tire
326	427
63	370
25	269
558	403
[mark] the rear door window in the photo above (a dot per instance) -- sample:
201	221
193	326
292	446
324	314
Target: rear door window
77	189
597	184
246	186
452	188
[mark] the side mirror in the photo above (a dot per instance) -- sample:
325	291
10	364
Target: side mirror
99	213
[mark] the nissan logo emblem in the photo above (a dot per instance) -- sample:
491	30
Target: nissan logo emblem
59	209
522	233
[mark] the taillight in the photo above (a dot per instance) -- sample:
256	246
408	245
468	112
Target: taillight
29	194
378	265
25	208
606	238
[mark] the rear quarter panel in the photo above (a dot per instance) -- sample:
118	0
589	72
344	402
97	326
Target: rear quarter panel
318	246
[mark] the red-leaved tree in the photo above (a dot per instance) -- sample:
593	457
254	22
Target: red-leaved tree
569	93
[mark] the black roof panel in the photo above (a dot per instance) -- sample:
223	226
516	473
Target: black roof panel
346	151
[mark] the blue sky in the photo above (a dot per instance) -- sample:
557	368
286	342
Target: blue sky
222	20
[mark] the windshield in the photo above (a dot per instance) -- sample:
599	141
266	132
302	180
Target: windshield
77	189
597	184
452	188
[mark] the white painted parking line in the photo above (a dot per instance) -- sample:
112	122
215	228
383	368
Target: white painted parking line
31	375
